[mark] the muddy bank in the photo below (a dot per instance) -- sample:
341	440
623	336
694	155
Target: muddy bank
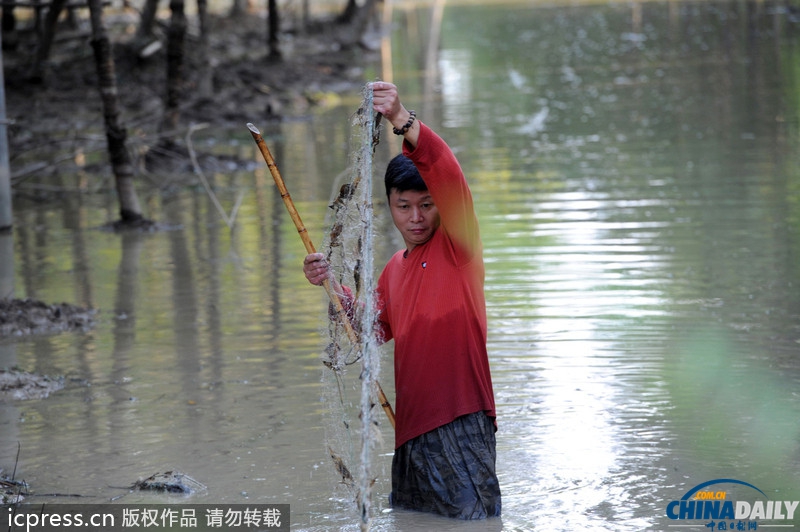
22	386
25	317
56	125
21	317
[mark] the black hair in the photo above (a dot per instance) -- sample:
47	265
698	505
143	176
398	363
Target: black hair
402	175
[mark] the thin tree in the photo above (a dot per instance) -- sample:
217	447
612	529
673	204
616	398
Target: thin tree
362	18
116	135
350	10
6	217
176	37
37	73
273	28
205	72
8	25
355	20
238	8
147	20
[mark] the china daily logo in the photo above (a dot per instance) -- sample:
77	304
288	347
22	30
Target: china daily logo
714	505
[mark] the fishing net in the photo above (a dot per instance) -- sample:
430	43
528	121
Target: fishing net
355	353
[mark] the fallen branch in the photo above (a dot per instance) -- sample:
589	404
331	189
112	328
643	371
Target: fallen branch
228	219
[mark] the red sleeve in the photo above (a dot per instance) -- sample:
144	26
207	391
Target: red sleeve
445	179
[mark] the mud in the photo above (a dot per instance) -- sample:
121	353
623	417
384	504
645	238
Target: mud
21	386
169	482
56	123
22	317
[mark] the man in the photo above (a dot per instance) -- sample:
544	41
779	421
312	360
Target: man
431	302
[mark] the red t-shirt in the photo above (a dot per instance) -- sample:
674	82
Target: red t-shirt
431	302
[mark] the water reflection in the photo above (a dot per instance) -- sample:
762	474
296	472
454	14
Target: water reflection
636	176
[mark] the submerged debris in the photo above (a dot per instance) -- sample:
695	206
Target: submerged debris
12	491
21	386
170	482
20	317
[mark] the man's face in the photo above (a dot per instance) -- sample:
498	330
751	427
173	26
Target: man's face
414	215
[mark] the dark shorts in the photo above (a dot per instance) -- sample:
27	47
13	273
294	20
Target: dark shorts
449	470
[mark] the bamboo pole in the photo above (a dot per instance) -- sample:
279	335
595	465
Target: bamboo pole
309	245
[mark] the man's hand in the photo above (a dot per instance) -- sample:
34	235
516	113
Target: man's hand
316	268
386	100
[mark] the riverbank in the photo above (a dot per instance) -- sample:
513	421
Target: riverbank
57	125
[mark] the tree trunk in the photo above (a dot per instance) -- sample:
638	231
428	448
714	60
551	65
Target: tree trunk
349	12
356	21
116	135
176	37
46	40
238	8
306	15
273	29
205	84
363	17
10	39
6	217
147	20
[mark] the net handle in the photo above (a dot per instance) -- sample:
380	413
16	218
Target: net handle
341	314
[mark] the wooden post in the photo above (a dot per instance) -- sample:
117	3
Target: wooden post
6	217
6	220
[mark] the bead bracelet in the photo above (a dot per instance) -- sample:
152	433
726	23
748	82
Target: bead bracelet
405	128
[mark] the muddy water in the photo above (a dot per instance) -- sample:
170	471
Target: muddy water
637	177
